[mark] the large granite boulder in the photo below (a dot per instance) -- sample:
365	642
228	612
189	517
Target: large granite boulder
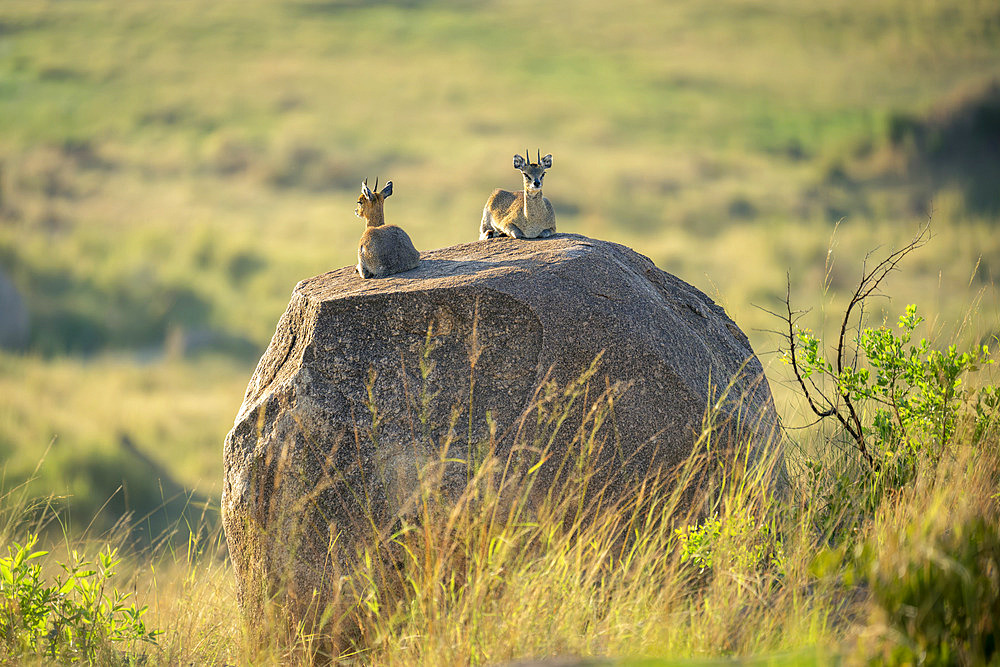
367	383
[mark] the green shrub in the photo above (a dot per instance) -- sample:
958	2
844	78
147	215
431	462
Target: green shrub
697	543
739	541
904	401
76	618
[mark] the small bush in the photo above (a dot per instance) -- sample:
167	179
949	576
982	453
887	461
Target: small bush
745	542
905	403
697	543
77	618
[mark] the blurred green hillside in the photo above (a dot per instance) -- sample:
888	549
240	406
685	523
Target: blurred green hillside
170	170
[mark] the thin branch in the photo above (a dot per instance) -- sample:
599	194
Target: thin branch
868	286
829	412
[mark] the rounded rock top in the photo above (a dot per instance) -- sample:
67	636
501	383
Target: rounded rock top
365	382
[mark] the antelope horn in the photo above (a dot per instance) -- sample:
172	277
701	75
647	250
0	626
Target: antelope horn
376	184
539	154
527	160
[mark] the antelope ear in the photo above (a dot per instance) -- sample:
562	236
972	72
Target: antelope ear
387	190
518	162
547	161
366	190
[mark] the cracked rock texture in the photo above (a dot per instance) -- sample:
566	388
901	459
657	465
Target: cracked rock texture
366	382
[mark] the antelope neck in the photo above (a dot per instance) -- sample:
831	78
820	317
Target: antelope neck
533	206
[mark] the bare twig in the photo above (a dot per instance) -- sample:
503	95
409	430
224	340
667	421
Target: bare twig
871	280
790	319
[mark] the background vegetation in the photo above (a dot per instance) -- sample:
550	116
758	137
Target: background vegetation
169	171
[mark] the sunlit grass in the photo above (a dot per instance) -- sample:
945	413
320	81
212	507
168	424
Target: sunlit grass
488	578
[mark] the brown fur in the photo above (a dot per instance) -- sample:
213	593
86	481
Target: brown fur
383	249
525	214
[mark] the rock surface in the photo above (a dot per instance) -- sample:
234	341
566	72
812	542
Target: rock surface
366	381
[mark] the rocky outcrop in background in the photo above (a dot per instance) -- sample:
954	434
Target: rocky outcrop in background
366	382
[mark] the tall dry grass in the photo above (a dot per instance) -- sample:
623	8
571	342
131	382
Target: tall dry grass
489	576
